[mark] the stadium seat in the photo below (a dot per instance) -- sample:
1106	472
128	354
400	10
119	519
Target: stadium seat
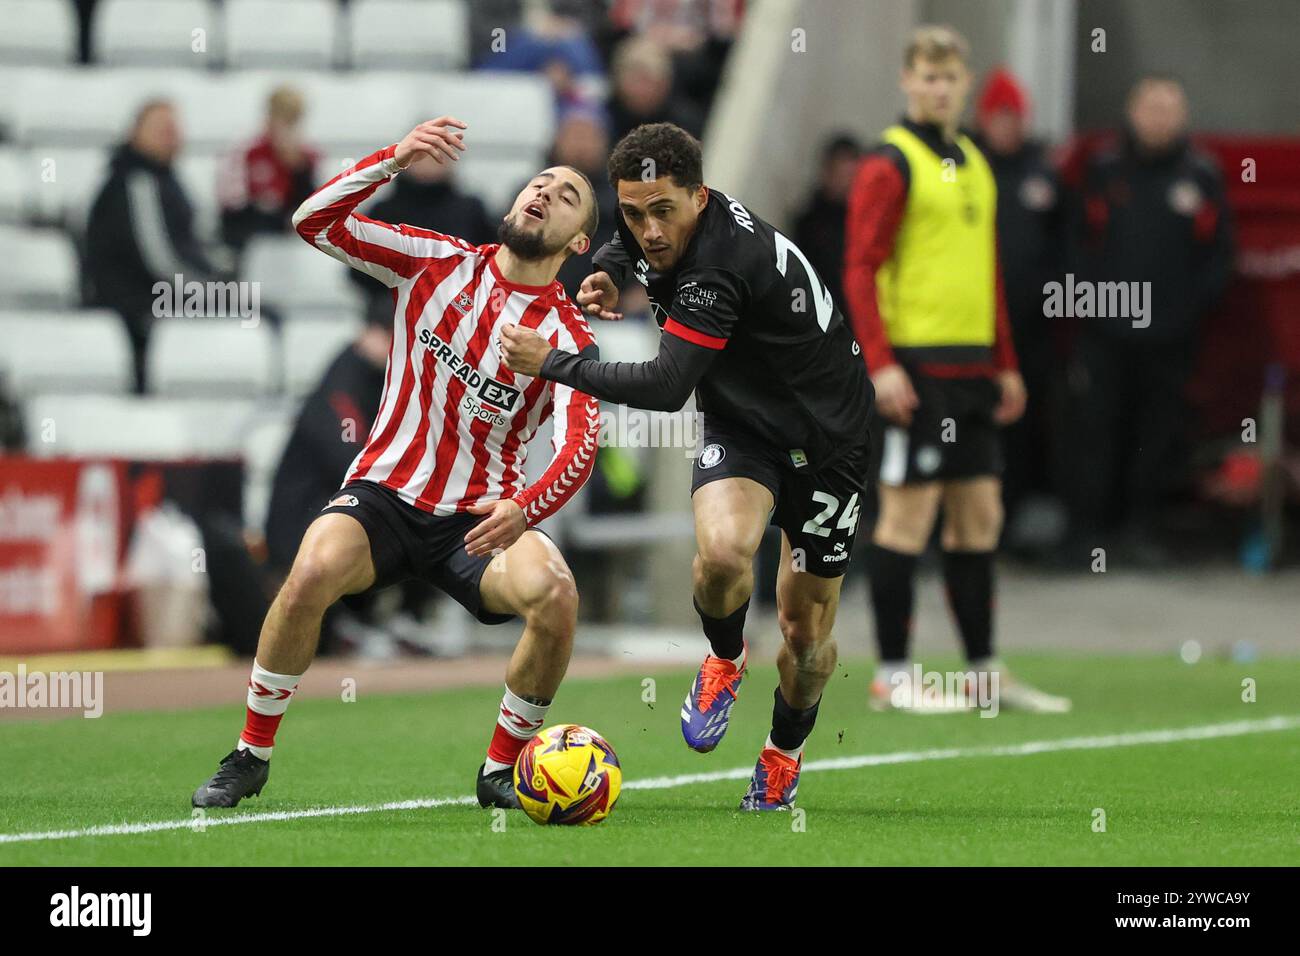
93	106
629	341
509	114
265	437
408	34
201	357
156	32
38	31
14	200
360	112
144	428
310	344
293	274
61	183
38	269
65	352
496	181
282	33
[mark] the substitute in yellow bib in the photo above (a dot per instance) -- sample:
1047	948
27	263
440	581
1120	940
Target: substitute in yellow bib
923	291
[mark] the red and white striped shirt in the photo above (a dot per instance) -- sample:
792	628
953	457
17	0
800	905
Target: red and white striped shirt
454	422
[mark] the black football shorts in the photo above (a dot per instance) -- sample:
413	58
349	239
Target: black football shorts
952	435
407	542
818	511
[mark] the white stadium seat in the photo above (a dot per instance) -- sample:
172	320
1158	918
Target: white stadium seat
408	34
157	32
210	356
310	344
496	181
38	31
38	268
509	114
93	106
14	199
284	33
145	428
361	112
265	437
292	273
62	182
65	352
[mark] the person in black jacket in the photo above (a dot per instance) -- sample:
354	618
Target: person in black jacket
1152	214
141	228
1031	239
330	431
819	227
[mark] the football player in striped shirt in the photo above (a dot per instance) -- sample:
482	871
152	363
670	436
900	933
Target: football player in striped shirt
438	490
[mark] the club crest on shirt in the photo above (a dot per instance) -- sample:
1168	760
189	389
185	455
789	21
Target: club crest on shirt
711	455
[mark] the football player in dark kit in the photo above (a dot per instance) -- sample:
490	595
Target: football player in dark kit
750	327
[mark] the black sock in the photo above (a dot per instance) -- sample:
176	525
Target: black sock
790	727
891	574
969	579
726	634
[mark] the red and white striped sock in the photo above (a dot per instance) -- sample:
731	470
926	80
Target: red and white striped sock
518	721
268	698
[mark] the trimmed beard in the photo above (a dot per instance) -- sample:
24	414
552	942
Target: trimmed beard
529	246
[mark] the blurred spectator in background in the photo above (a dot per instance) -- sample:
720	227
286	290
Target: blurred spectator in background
424	195
1152	211
1031	214
582	141
331	429
696	33
141	227
552	37
642	79
264	181
819	228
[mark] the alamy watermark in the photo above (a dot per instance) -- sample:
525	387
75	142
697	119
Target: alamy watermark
948	689
1084	299
57	690
210	299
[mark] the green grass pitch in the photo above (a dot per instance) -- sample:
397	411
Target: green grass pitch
1230	800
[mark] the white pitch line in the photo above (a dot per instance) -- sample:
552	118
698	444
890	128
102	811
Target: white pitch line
1178	735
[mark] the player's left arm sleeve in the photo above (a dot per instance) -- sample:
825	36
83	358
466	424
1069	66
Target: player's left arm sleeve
577	422
1004	349
699	323
612	258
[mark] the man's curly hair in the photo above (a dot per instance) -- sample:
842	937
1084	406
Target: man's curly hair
658	149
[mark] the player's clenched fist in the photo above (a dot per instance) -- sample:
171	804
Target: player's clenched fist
598	295
438	138
523	349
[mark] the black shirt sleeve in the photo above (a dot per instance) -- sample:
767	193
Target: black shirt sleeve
612	258
661	384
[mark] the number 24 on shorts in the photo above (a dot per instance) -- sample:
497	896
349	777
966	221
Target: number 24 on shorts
848	520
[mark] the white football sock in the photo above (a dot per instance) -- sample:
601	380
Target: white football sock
792	754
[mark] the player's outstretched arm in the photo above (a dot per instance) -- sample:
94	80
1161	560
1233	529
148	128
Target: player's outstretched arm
328	220
661	384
